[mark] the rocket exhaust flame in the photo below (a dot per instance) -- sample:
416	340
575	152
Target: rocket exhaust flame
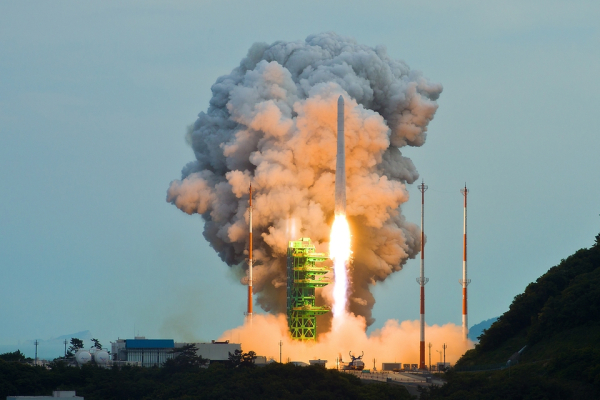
339	244
339	252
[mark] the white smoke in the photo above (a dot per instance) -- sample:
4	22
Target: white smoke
272	122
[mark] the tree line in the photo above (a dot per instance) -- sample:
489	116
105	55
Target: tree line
188	378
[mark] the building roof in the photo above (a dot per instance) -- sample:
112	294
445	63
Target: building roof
149	343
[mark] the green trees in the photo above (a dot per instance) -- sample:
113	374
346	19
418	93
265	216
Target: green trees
558	317
15	356
76	344
566	296
239	359
218	381
185	359
578	304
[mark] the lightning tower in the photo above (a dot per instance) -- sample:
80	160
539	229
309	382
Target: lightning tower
422	280
464	281
249	314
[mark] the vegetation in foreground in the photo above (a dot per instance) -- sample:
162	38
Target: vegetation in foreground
558	319
190	381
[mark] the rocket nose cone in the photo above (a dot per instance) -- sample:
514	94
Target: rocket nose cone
341	99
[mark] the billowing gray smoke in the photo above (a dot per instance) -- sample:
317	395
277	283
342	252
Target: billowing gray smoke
272	122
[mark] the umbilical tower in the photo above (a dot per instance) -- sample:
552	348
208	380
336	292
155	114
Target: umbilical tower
303	277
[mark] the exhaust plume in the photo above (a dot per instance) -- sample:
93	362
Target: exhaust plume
272	122
394	342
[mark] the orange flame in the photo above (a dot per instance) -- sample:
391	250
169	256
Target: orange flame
339	252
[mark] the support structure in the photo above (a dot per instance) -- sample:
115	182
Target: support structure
430	355
422	280
464	281
303	277
249	313
444	347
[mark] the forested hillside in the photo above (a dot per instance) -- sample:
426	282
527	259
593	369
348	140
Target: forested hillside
556	324
565	297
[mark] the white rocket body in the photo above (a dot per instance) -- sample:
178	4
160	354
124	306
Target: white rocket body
340	165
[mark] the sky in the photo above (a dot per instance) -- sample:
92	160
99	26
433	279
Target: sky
95	98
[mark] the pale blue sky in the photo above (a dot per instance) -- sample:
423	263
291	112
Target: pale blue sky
95	98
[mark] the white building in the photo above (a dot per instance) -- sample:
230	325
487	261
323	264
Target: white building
154	352
141	351
216	351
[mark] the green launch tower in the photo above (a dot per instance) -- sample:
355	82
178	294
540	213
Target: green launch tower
303	276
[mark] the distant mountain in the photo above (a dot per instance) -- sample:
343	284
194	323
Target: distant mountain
50	348
83	335
476	330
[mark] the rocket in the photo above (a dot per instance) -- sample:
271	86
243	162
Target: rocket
340	164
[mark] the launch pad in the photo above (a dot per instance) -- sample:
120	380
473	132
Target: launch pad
303	277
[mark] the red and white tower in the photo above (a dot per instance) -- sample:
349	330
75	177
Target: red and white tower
464	281
249	314
422	280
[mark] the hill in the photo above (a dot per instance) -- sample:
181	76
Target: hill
556	321
476	330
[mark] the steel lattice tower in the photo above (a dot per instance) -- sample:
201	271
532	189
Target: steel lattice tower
303	277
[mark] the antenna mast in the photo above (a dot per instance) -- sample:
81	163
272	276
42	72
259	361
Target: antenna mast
464	281
422	280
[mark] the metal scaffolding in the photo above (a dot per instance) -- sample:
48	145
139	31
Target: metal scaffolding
303	277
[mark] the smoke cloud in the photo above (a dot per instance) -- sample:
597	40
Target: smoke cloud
394	342
272	122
